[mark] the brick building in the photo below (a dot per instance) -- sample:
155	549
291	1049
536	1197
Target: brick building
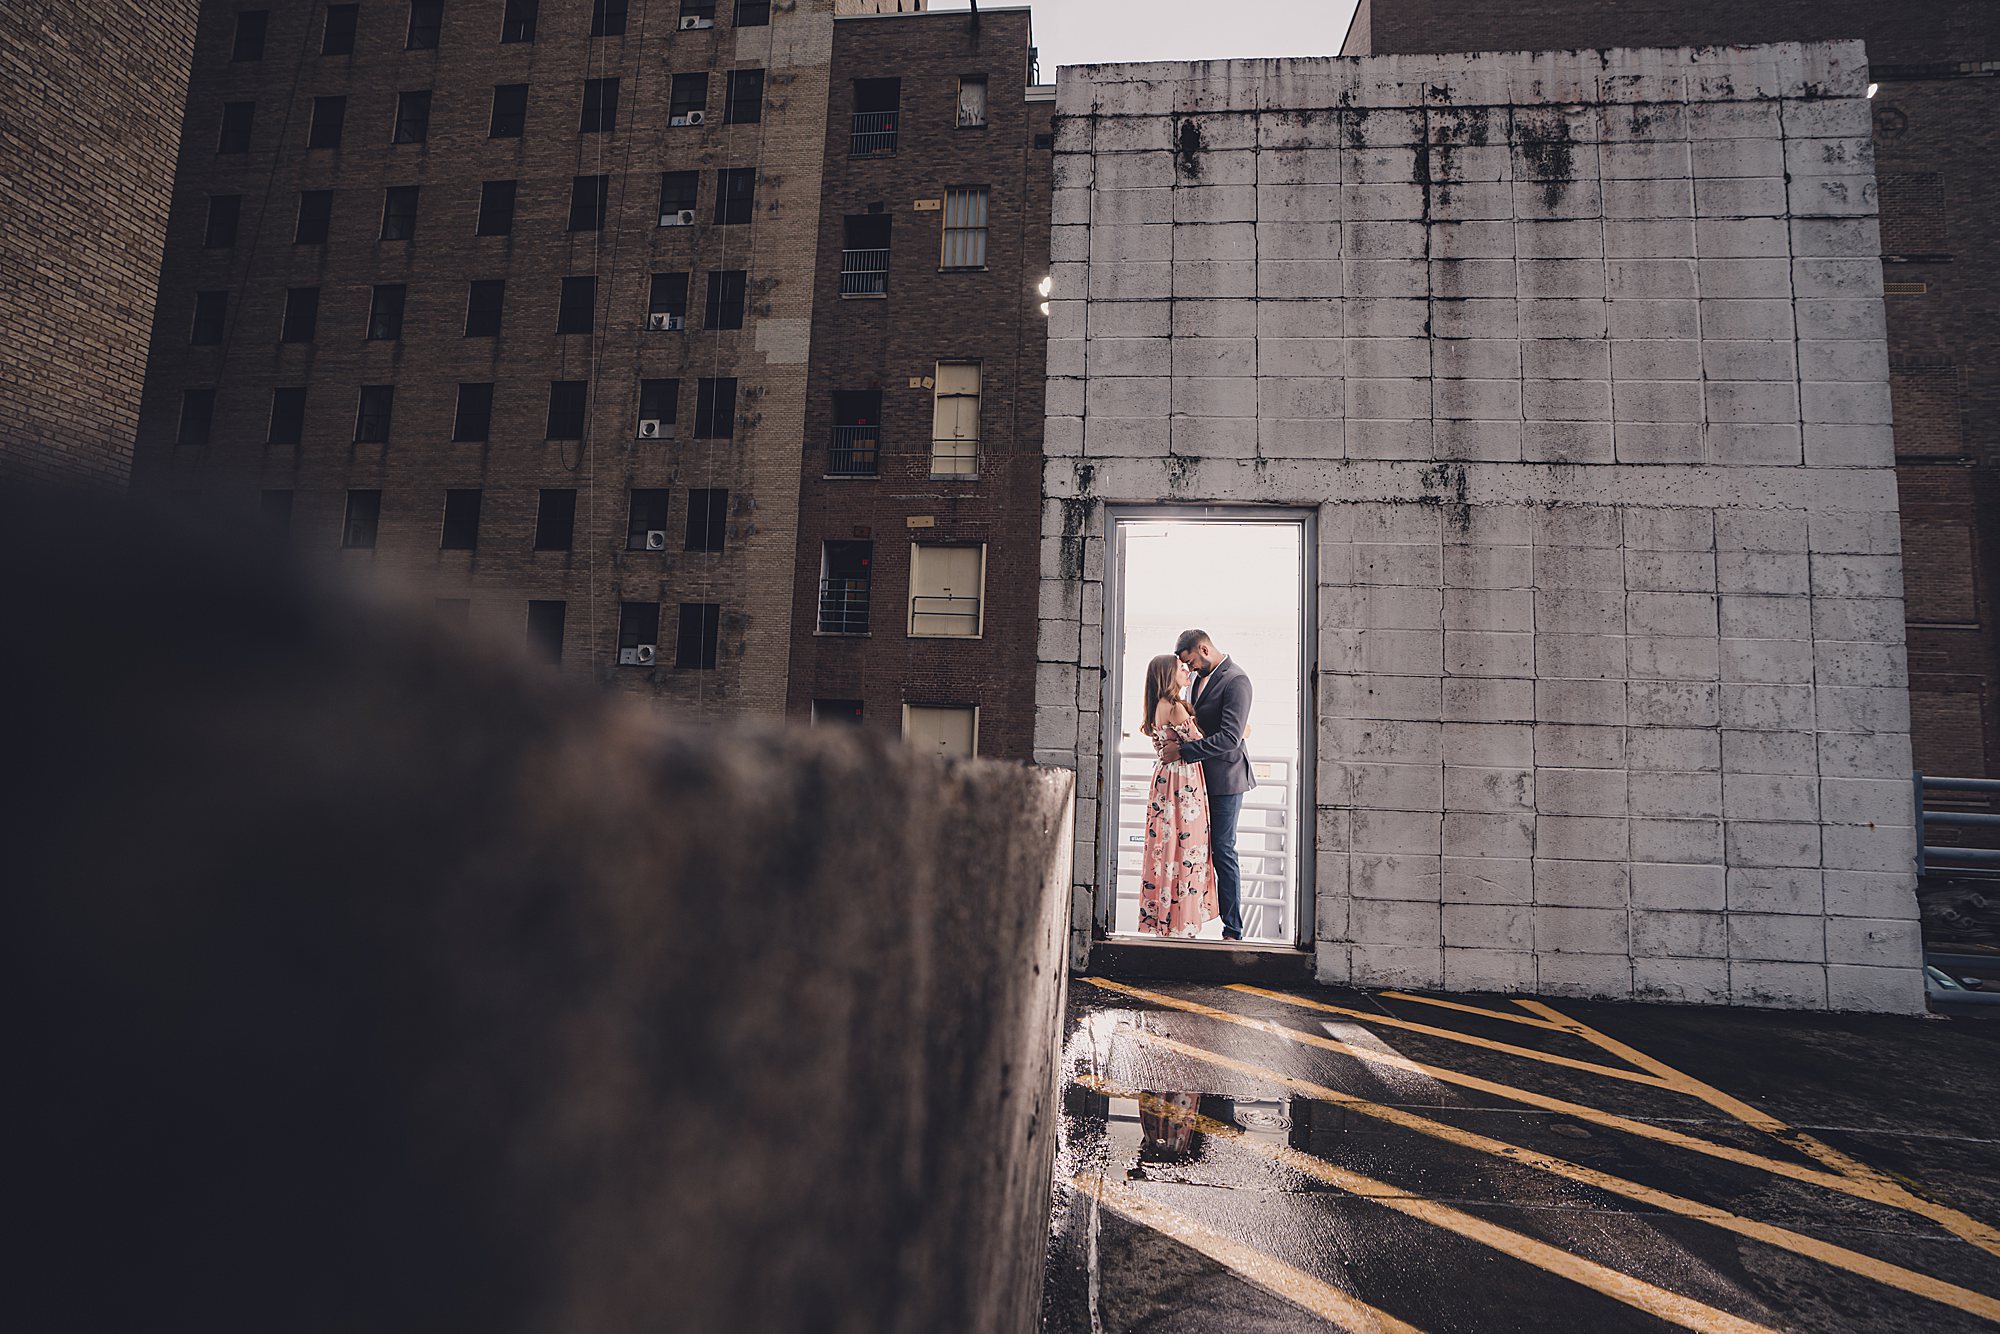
1937	157
87	142
914	605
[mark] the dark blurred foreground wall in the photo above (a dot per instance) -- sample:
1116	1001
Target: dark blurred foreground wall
365	979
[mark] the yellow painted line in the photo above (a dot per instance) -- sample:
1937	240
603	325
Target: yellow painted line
1634	1292
1479	1010
1411	1026
1267	1272
1840	1257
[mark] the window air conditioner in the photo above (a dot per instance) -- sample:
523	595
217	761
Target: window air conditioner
656	540
695	23
690	118
660	321
641	656
682	218
651	428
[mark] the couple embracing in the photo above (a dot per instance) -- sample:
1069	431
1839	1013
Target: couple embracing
1197	715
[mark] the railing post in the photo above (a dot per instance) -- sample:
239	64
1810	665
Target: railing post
1917	793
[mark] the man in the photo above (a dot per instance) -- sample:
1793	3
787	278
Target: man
1222	711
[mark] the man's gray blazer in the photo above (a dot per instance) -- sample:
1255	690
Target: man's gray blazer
1222	711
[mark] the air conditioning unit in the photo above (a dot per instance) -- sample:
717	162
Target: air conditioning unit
695	23
659	321
652	428
656	540
682	218
641	656
688	118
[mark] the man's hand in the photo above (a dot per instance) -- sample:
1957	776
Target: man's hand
1170	750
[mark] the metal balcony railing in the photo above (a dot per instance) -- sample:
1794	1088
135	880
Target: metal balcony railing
843	606
864	273
1266	842
955	458
853	451
873	134
1949	803
950	615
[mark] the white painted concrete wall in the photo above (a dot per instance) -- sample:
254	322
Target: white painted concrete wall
1580	357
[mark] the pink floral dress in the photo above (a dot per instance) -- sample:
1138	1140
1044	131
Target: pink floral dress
1177	891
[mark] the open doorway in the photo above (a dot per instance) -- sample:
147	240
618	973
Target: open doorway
1242	576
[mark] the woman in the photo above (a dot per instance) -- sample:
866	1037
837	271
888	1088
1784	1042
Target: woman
1177	892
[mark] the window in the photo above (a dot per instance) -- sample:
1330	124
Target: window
250	26
461	520
329	119
857	433
659	408
600	107
744	104
698	9
638	628
588	198
864	255
714	409
646	520
399	213
753	13
474	419
972	101
569	400
385	312
337	38
677	197
735	193
274	510
484	300
964	229
701	627
545	629
846	576
371	415
669	295
364	516
607	18
413	118
517	24
830	712
947	587
426	24
237	118
725	299
555	519
224	213
955	420
288	415
301	315
496	208
947	732
708	519
315	217
576	311
197	417
690	99
876	106
510	111
211	313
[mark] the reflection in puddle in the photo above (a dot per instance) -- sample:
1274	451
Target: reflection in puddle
1174	1128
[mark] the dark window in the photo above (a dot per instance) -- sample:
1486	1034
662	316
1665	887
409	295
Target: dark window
589	197
461	520
873	131
371	414
568	402
846	711
197	416
211	313
669	295
677	197
708	518
864	254
735	192
845	587
337	39
274	508
315	217
545	629
607	18
725	299
301	315
250	25
698	9
237	118
857	433
224	213
329	119
399	213
646	520
690	99
288	415
474	420
600	107
413	117
484	300
426	23
753	13
364	516
576	313
496	208
714	409
659	408
518	23
385	312
701	626
745	103
510	111
555	520
638	623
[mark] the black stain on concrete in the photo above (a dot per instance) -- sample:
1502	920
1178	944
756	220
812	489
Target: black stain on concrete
1188	147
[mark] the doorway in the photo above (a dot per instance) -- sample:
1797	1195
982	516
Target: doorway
1245	577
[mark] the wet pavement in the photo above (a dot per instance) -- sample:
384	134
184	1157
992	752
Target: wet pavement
1244	1159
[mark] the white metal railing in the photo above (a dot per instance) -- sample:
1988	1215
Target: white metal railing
1266	843
864	273
873	134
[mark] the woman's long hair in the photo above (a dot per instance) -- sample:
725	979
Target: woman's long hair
1162	682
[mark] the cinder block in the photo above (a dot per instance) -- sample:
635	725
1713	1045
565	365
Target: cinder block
1393	876
1679	749
1389	922
1480	834
1594	976
1681	981
1489	970
1409	968
1777	985
1488	926
1759	843
1677	841
1758	889
1882	990
1676	795
1874	942
1581	884
1679	935
1580	792
1670	887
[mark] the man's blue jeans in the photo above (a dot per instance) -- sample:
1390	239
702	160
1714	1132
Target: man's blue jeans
1223	812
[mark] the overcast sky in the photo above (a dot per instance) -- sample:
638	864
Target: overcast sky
1085	32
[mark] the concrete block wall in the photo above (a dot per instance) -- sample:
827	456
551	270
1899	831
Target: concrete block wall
1581	358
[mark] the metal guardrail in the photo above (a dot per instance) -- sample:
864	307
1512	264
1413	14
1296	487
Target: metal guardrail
1269	873
955	459
864	273
1986	860
843	606
873	134
947	607
853	451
